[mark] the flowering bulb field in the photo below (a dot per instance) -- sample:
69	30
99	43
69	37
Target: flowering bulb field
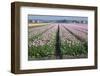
58	41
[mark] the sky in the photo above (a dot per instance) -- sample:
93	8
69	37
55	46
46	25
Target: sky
51	17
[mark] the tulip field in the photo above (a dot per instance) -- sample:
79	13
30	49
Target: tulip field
58	41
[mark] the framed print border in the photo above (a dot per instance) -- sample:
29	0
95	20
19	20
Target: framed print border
15	37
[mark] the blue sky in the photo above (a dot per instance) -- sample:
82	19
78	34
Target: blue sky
51	17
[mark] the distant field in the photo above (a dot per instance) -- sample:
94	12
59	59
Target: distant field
37	24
